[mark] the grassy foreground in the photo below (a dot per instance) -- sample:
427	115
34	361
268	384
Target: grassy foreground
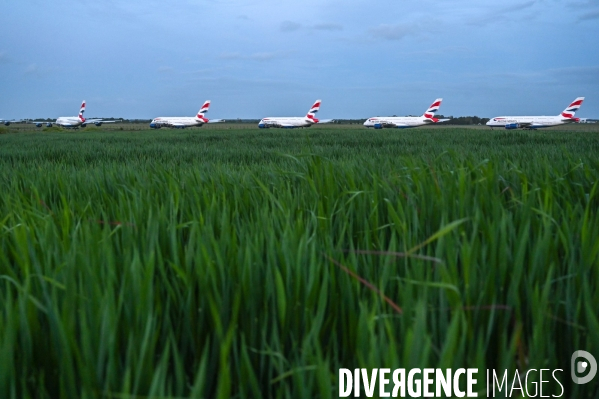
226	262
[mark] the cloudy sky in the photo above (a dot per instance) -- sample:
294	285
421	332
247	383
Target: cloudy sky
142	59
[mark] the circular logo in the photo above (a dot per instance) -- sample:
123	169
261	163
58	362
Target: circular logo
582	362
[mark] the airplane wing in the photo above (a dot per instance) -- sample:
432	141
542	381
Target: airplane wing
326	120
534	125
273	124
216	120
176	125
430	121
393	124
386	124
100	121
8	122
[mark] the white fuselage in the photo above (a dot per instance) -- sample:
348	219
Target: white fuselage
285	122
529	122
380	122
177	121
69	121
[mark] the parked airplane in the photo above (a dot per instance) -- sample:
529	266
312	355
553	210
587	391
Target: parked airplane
7	122
294	121
181	122
73	121
403	122
535	122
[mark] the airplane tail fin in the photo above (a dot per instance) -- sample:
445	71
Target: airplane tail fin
203	110
313	110
430	112
81	111
572	108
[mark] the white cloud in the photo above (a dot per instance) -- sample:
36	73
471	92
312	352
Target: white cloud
517	7
502	14
290	26
392	32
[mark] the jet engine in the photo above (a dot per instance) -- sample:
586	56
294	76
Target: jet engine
98	123
263	126
511	126
6	123
378	125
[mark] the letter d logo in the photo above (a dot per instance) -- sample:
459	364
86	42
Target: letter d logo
581	366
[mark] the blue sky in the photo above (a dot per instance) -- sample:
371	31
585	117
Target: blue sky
142	59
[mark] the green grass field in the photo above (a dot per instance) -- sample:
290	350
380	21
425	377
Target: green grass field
229	261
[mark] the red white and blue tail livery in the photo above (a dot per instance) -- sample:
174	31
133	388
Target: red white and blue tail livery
202	111
181	122
572	108
73	121
402	122
430	112
536	122
313	110
81	111
294	122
